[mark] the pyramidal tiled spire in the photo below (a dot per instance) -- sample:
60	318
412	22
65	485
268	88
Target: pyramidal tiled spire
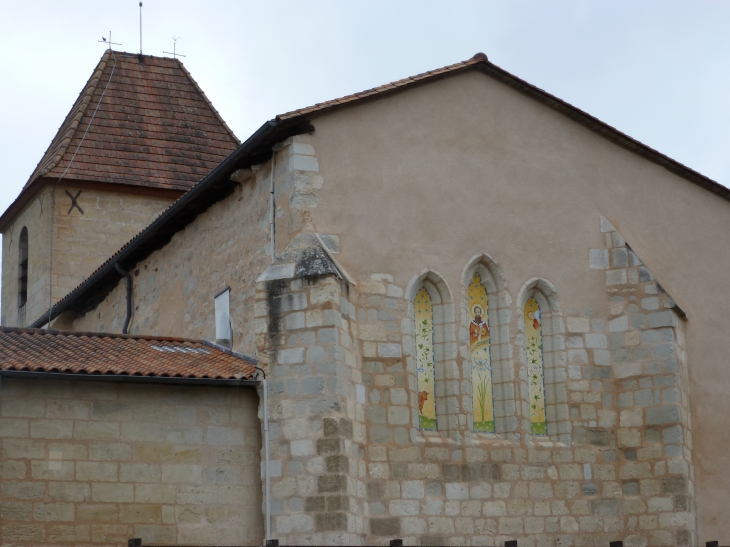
154	127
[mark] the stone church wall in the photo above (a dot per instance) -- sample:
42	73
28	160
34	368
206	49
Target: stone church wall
96	463
226	246
81	242
353	466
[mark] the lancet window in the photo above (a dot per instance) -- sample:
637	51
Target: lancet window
425	372
535	367
481	363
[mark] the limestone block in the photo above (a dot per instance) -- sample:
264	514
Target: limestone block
23	408
402	508
616	277
598	259
389	350
290	356
96	471
663	415
112	492
457	490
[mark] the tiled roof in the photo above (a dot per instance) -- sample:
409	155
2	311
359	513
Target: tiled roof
34	350
154	127
392	86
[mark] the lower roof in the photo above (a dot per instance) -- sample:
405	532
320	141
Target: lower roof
101	355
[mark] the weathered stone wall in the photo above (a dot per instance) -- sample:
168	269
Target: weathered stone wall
96	463
35	216
317	426
226	246
616	463
81	242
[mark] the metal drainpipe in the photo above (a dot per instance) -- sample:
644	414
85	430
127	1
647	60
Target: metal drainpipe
266	458
129	296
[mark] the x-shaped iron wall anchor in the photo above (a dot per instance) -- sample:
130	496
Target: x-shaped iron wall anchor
74	203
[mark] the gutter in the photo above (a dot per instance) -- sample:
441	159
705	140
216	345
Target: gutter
223	169
128	378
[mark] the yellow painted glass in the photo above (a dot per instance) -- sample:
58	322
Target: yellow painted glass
481	364
424	361
535	368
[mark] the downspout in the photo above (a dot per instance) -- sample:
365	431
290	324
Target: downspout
129	296
271	207
265	387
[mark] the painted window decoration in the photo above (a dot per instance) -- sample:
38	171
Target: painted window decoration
535	368
481	365
424	361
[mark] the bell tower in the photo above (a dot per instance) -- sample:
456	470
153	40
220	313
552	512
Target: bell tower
140	134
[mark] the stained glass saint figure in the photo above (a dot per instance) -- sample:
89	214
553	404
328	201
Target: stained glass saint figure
481	365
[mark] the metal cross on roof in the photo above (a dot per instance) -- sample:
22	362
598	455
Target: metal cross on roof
174	52
109	42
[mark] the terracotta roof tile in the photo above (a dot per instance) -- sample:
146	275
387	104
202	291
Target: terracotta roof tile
153	108
68	352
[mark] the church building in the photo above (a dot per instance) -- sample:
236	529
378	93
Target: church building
453	310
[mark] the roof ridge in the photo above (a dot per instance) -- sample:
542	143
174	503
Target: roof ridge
74	117
208	102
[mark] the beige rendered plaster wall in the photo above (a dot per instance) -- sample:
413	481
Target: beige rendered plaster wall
429	178
82	242
97	463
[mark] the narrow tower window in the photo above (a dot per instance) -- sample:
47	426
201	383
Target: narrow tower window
23	268
223	319
535	367
425	360
481	364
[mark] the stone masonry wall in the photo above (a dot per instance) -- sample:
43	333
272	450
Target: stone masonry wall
618	468
226	246
35	216
96	463
81	242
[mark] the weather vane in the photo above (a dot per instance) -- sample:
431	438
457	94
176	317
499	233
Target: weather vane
109	42
140	29
174	52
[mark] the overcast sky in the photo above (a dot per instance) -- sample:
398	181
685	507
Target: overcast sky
657	70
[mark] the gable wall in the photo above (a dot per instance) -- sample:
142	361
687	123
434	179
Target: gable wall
465	165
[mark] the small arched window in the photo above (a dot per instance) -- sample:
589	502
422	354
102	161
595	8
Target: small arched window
425	372
535	367
23	268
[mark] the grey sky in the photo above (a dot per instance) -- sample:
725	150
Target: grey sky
657	70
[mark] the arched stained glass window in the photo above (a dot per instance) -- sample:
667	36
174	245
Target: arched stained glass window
535	368
481	364
425	360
